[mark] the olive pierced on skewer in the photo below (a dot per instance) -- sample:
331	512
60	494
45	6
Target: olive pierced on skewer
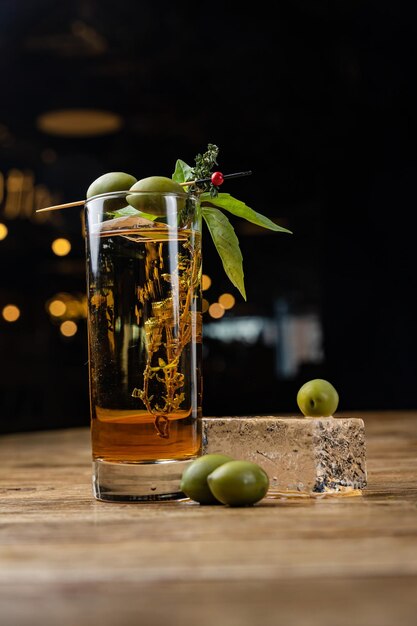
217	179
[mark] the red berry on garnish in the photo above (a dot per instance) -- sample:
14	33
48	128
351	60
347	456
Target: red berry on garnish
217	178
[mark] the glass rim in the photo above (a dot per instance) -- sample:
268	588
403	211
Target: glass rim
124	193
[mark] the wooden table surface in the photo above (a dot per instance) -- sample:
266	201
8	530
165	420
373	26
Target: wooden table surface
67	559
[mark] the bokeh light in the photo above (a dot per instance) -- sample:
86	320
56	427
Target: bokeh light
227	301
3	231
216	310
11	313
57	308
68	328
205	282
61	247
205	305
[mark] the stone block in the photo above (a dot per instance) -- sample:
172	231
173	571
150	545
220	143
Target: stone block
304	455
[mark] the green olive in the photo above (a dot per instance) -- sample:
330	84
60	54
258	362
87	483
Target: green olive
194	479
317	398
238	483
112	181
154	203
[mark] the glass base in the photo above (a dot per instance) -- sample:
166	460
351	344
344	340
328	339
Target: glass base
138	482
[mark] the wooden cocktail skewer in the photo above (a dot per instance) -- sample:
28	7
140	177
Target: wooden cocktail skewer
67	205
216	178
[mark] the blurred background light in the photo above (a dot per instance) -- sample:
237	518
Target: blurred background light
216	310
3	231
67	306
79	122
57	308
68	328
11	313
227	301
205	282
61	246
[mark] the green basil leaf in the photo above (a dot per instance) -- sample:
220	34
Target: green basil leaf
227	245
130	210
183	172
227	202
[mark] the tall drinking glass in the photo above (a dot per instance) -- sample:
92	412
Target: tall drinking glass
145	333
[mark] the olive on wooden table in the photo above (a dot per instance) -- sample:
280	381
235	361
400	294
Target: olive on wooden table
194	479
238	483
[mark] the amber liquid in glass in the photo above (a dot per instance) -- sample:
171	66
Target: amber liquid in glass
145	345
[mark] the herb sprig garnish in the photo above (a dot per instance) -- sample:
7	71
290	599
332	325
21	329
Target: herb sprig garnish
212	205
204	164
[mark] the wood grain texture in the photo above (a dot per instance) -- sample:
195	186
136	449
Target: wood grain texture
66	558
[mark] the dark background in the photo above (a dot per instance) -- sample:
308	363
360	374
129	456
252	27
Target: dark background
319	100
